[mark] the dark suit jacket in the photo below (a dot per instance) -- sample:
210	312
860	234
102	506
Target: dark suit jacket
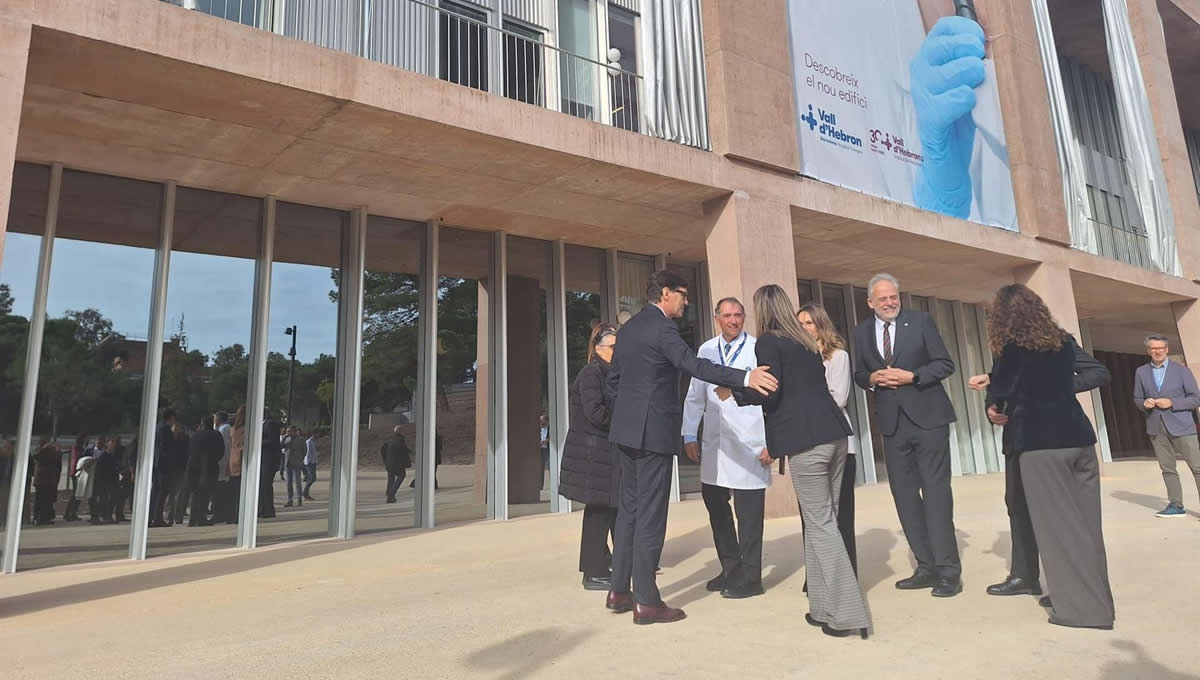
801	414
1179	385
1089	375
643	383
1037	392
918	348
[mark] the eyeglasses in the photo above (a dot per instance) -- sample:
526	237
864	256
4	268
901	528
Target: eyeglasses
609	346
681	292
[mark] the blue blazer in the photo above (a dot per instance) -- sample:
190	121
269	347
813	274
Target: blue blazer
1179	385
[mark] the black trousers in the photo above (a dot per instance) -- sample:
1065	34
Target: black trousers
598	522
641	523
233	491
740	548
266	491
43	504
197	495
1020	525
394	480
158	496
918	467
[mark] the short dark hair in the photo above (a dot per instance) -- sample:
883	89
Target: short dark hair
167	414
663	278
730	300
206	423
221	417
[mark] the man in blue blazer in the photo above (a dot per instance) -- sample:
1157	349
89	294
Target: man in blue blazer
1167	393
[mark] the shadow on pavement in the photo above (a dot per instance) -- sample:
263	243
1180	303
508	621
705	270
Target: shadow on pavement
521	656
1154	503
1139	666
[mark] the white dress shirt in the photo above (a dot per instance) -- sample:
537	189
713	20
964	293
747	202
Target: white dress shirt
745	381
223	465
310	451
734	436
879	335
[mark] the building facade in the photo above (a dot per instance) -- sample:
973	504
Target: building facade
373	215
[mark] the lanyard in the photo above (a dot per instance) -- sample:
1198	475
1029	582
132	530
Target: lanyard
736	352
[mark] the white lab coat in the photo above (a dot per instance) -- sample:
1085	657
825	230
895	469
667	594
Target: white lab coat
733	436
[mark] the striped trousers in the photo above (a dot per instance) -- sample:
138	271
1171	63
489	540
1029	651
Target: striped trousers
834	596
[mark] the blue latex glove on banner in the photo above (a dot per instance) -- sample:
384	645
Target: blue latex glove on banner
945	73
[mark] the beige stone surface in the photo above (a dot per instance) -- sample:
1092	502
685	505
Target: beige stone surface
490	600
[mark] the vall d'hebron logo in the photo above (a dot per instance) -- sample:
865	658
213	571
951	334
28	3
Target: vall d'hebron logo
885	144
826	123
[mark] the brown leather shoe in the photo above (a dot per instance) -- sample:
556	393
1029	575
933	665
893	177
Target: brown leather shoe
619	602
645	614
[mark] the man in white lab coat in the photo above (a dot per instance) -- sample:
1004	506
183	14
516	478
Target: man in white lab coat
733	458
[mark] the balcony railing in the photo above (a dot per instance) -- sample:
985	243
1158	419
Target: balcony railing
454	46
1123	245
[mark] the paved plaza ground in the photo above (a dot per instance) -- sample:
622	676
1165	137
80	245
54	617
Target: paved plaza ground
502	600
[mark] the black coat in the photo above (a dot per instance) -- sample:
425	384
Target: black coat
801	414
1036	390
643	383
589	471
1089	375
396	457
918	348
205	450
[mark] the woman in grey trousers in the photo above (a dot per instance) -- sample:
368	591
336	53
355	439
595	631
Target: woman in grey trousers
1033	384
804	423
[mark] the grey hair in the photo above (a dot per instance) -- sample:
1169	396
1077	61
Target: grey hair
1157	338
731	300
881	276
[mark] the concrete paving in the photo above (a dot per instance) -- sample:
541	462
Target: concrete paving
502	600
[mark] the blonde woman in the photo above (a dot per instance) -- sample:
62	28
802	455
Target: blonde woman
816	322
804	423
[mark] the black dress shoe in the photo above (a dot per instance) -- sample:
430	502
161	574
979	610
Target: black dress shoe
597	582
919	580
739	590
1044	601
1015	585
835	632
716	585
947	587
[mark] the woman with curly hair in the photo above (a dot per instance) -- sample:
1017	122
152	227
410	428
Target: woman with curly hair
1032	382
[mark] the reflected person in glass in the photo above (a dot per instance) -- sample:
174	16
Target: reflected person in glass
589	474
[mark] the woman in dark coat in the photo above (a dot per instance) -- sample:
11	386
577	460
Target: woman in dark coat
589	473
1033	383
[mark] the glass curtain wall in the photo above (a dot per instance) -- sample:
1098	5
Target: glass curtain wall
301	367
633	273
586	277
205	362
387	438
577	36
624	94
18	277
690	329
530	272
463	375
89	395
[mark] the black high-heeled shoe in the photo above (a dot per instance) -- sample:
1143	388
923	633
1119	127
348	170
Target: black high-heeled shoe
834	632
813	622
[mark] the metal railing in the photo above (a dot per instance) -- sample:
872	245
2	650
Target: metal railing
455	43
1123	245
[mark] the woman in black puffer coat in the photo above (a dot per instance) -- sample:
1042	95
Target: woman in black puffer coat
589	473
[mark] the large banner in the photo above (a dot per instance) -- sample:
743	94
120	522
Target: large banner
897	98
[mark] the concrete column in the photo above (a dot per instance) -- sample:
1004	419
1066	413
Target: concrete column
1025	104
752	115
750	244
15	32
1187	325
1146	24
1053	283
525	373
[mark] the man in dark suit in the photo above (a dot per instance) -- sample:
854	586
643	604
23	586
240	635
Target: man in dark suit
1024	574
164	458
643	386
900	356
1166	392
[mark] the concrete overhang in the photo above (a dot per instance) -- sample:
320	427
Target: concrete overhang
150	91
